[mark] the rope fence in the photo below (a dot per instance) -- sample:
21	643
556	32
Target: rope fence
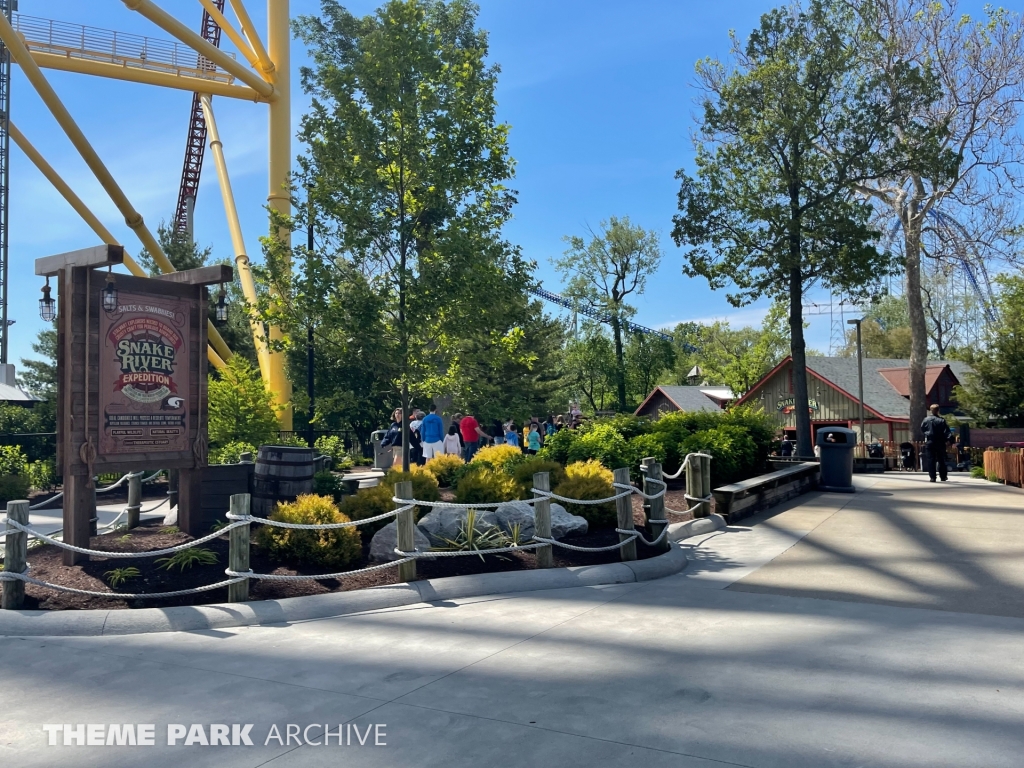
15	576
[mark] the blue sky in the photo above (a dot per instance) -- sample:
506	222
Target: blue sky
599	96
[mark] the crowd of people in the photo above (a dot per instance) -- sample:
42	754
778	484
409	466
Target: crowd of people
465	435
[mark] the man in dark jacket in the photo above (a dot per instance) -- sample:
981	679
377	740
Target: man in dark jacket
936	434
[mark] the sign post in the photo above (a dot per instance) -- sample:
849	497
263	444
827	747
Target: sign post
131	371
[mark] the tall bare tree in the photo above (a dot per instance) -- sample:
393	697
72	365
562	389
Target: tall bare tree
979	68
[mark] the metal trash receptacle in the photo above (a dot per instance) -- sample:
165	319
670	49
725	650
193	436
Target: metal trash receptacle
836	444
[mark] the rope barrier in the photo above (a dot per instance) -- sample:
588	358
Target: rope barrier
482	505
103	553
685	464
318	577
316	526
555	542
587	502
8	576
416	554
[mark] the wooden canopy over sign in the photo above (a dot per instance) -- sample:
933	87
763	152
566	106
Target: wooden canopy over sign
132	392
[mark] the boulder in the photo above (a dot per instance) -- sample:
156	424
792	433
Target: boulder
382	546
445	523
562	523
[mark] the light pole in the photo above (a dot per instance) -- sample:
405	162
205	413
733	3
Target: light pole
310	389
860	375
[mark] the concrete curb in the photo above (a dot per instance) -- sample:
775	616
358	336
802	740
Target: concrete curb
679	531
222	615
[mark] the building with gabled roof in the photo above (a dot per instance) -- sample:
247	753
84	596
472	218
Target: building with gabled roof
832	394
667	398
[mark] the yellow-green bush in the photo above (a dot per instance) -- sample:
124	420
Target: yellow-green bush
498	455
371	502
524	472
483	484
444	467
335	548
589	480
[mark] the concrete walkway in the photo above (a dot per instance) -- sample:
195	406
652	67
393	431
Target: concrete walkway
875	629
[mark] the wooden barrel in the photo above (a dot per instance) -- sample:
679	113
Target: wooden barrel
282	473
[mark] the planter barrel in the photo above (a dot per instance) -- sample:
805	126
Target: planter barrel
282	473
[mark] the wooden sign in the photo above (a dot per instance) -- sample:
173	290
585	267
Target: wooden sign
131	381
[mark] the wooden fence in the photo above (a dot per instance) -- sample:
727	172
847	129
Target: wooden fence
1007	466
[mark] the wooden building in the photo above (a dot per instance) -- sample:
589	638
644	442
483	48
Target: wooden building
832	394
666	399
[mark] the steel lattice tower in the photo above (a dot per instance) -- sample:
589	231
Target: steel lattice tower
195	147
6	7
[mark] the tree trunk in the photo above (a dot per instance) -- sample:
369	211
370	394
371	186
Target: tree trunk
798	350
620	365
918	326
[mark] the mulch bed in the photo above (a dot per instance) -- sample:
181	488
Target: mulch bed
46	565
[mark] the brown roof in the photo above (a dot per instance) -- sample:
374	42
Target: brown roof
900	377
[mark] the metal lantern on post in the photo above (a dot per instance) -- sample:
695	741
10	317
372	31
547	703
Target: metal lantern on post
222	305
110	293
47	305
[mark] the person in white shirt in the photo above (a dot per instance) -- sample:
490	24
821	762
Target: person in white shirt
452	441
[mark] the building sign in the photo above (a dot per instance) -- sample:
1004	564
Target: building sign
144	375
788	405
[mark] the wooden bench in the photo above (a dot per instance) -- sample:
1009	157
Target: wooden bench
739	500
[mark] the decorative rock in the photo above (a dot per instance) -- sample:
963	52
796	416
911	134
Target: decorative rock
382	546
446	522
562	523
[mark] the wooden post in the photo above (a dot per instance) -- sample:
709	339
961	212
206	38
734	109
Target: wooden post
15	555
172	488
238	549
655	507
405	526
694	486
705	484
134	499
542	519
79	510
190	516
624	510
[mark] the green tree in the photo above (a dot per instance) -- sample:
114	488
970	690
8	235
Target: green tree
786	131
739	358
602	271
996	389
39	375
974	166
589	365
241	408
407	165
181	251
647	359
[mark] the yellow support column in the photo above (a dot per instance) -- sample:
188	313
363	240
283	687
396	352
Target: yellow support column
231	213
279	199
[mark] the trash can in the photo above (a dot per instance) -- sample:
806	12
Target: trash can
836	444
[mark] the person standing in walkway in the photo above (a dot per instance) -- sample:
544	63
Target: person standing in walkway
393	438
432	434
452	445
532	439
936	434
471	436
511	436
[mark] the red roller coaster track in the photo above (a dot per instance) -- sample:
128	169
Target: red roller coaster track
196	145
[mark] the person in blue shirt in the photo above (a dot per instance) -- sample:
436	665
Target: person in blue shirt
432	434
511	436
533	439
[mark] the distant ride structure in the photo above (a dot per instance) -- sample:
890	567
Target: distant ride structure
194	63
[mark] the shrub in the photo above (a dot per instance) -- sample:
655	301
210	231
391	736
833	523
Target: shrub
229	453
978	472
524	472
498	455
992	477
557	447
186	558
13	460
642	447
443	468
334	446
371	502
626	424
483	485
672	429
42	474
13	487
733	451
589	480
328	484
601	442
335	548
241	407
